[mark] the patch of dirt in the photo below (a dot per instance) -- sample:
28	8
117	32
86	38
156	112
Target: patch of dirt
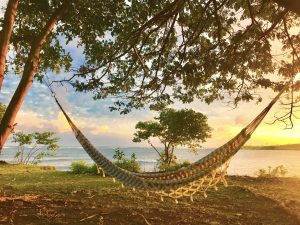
285	191
230	206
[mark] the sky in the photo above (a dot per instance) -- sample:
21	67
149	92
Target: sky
104	128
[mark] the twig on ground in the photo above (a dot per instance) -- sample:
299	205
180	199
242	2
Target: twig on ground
89	217
146	221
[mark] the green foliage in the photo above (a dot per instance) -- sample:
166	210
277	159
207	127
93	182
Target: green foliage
125	163
173	166
174	128
199	49
2	110
279	171
30	21
119	155
155	52
166	161
33	147
82	167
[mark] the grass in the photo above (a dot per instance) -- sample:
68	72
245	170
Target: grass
35	195
36	180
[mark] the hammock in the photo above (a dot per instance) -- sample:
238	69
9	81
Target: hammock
203	174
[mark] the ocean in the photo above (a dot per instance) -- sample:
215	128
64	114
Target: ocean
245	162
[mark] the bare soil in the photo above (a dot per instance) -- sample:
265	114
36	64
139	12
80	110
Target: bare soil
246	201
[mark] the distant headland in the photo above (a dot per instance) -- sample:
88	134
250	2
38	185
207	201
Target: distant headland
273	147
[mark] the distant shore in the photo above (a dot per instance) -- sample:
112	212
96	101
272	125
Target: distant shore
295	147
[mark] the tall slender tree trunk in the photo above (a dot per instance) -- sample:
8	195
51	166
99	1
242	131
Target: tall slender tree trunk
167	154
292	5
8	22
171	154
7	123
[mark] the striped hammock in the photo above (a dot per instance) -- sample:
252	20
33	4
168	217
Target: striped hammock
200	176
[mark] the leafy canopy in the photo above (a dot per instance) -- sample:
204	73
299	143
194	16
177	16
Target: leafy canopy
159	51
183	127
84	20
155	52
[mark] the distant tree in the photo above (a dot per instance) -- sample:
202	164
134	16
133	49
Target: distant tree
174	128
33	147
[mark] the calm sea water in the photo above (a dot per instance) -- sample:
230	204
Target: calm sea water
245	162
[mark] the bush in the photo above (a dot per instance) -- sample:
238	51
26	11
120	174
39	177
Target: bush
128	164
82	167
279	171
34	147
173	166
124	163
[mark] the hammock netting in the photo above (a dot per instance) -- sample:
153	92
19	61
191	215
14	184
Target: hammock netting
200	176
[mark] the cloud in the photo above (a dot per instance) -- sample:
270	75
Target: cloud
29	121
240	120
3	4
100	130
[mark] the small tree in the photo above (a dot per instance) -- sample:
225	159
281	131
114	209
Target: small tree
174	128
33	147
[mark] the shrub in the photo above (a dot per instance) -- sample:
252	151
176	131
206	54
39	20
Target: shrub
34	147
124	163
279	171
82	167
173	166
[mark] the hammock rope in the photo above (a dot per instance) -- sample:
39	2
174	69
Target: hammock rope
203	174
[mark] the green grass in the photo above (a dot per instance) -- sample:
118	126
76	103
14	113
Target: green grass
37	195
36	180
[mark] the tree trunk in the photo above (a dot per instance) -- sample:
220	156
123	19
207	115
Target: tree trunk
7	123
167	154
292	5
171	154
8	22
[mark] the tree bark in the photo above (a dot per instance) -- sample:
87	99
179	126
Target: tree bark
291	5
171	154
8	22
167	155
7	123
